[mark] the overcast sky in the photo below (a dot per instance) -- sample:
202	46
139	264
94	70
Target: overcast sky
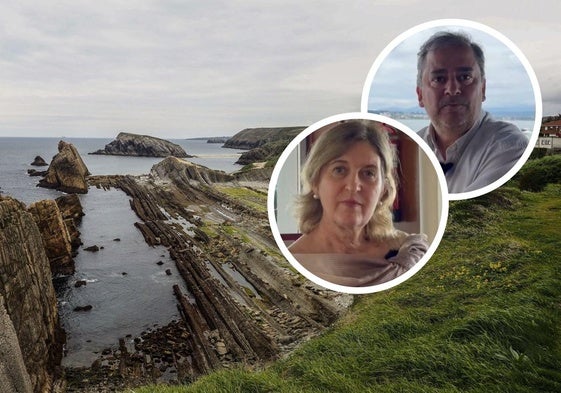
508	85
179	69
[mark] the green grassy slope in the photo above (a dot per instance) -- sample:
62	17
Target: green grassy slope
482	316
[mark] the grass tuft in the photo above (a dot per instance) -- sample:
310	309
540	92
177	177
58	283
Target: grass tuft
484	315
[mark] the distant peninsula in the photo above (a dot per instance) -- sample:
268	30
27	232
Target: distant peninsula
218	139
127	144
264	144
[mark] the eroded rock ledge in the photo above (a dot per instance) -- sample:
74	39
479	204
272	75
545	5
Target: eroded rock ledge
244	303
67	172
29	301
127	144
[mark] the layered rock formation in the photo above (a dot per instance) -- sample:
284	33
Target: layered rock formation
179	170
127	144
13	374
72	212
67	172
250	138
29	301
245	305
56	239
265	144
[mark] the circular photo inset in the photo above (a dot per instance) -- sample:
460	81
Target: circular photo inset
357	203
470	94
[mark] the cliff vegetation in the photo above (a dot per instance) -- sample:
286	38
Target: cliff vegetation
482	316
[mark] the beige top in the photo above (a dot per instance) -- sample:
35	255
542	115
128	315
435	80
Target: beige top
360	270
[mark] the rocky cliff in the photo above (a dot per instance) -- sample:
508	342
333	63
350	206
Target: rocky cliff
67	172
127	144
13	374
250	138
72	212
29	300
56	239
183	171
264	144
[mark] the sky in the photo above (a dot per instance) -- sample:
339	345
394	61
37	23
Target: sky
509	90
180	69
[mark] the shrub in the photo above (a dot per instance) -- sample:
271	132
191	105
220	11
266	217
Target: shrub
536	174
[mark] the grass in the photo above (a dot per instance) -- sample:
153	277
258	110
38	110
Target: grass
482	316
251	198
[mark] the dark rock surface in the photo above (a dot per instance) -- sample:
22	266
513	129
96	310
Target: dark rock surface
264	144
72	212
13	376
179	170
39	161
67	172
250	138
93	248
29	299
218	139
127	144
225	321
56	239
35	172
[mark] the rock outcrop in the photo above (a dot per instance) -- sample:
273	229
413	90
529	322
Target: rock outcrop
250	138
183	171
244	305
39	161
267	152
127	144
29	301
72	213
257	174
218	139
56	239
264	144
67	172
13	374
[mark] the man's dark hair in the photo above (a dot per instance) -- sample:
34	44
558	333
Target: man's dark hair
445	39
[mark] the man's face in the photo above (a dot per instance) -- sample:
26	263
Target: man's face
452	89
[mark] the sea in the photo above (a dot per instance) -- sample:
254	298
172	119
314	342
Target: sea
127	289
525	125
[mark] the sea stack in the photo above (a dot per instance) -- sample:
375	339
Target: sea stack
39	161
67	172
127	144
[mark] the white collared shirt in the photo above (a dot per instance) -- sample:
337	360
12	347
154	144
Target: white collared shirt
482	155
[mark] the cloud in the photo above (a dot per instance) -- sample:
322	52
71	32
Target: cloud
180	69
508	85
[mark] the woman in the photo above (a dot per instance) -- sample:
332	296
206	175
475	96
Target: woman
345	211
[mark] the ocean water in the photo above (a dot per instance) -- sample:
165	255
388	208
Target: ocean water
417	124
128	291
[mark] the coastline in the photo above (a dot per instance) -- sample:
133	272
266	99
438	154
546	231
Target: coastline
245	305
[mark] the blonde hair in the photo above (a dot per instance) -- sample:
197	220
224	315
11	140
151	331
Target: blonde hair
334	143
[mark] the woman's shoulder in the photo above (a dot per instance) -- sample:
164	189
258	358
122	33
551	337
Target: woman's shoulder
300	245
400	240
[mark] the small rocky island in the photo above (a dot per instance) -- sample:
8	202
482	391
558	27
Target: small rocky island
67	171
127	144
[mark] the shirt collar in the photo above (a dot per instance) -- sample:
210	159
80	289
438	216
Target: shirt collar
455	150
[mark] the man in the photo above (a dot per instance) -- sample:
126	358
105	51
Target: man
473	148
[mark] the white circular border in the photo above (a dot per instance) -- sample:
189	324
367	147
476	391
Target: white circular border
271	203
499	36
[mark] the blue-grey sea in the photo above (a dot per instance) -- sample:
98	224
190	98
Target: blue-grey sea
128	291
416	124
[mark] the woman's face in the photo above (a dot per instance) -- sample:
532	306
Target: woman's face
350	187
